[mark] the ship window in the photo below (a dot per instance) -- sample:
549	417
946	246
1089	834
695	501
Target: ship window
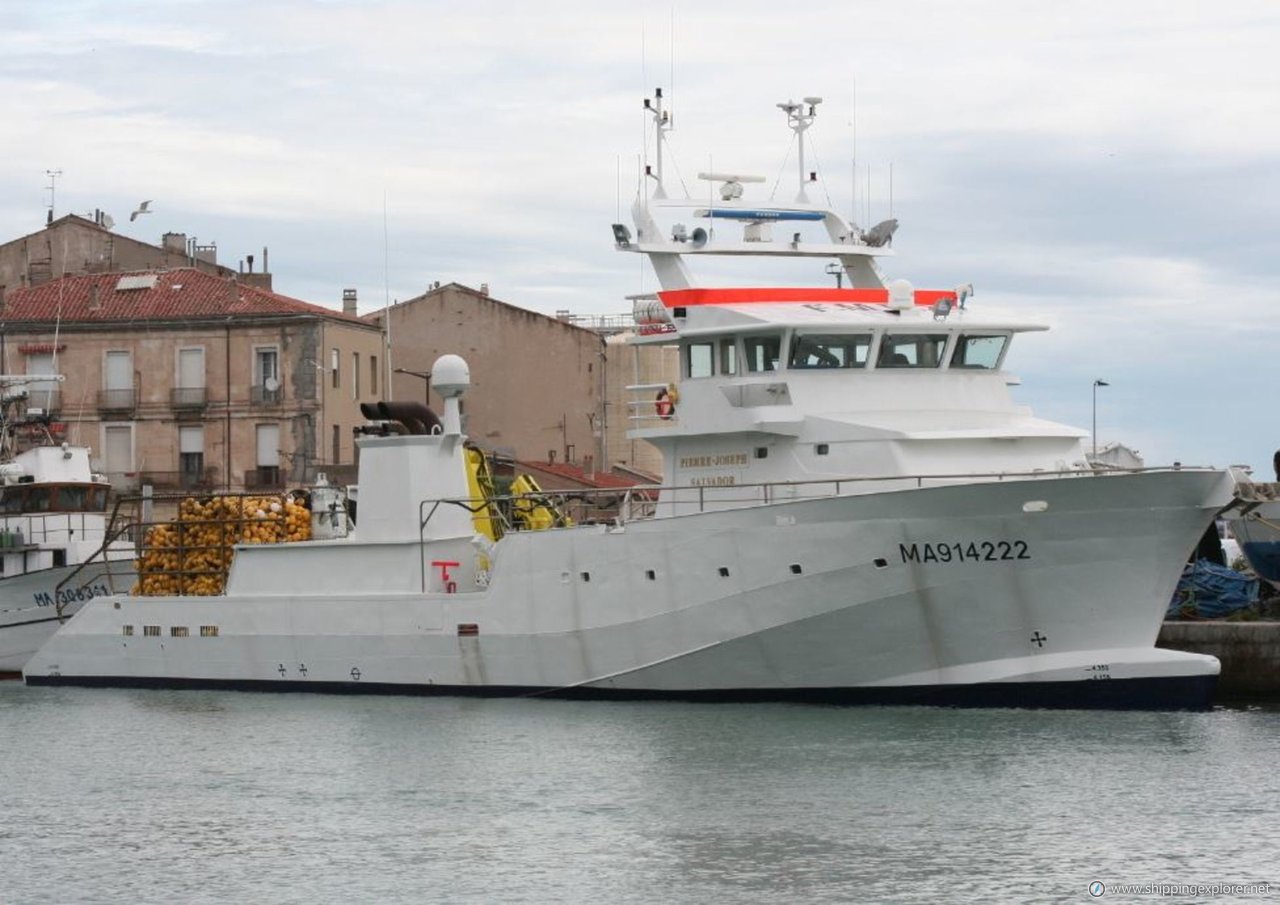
97	499
821	449
978	352
650	574
127	630
37	500
729	356
762	452
698	362
724	571
151	631
70	498
59	558
830	350
796	569
586	576
911	350
881	562
179	631
208	631
762	352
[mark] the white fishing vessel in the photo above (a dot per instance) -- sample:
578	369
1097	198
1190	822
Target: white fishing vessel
1255	526
853	510
53	524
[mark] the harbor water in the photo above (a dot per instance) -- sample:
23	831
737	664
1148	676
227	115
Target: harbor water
154	796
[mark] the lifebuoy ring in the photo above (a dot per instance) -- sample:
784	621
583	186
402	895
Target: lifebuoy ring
664	405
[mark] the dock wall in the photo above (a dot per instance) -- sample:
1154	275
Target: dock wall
1249	651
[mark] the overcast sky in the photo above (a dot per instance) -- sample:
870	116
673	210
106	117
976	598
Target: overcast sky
1110	169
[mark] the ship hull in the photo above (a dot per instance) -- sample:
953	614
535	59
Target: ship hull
1046	593
1259	537
29	612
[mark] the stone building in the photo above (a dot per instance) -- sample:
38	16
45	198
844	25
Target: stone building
537	382
182	378
76	245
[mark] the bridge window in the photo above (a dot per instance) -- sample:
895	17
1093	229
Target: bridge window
830	350
911	350
699	359
978	352
729	356
762	352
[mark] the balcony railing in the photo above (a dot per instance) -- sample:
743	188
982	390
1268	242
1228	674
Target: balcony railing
125	400
264	477
189	397
261	395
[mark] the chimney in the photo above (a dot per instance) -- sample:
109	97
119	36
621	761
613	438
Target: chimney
249	258
349	302
484	288
95	301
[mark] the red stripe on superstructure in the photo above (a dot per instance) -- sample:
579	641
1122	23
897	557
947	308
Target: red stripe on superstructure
688	298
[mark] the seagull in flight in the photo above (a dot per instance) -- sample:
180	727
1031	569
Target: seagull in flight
142	209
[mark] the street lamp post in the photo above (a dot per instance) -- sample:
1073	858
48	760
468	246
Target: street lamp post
1096	384
424	376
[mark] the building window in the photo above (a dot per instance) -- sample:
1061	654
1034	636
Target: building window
266	374
355	375
42	394
267	438
373	375
335	366
118	369
117	449
190	389
337	444
191	455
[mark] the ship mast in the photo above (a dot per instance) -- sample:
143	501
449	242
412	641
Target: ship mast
800	119
661	125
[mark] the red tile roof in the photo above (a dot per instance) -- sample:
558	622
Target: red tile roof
601	479
182	294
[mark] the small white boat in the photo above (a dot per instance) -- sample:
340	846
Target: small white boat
1256	528
53	524
854	510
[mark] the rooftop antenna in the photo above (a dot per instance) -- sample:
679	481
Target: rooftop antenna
53	182
800	117
661	125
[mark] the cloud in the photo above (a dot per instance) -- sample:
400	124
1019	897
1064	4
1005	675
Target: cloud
1105	168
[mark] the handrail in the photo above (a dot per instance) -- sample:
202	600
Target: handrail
109	536
770	492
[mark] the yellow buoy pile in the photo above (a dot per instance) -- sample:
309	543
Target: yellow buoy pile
190	555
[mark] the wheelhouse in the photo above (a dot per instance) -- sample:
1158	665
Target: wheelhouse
751	351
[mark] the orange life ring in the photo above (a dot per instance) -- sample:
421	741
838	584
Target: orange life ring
664	406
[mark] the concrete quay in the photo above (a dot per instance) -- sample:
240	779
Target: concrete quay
1249	651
